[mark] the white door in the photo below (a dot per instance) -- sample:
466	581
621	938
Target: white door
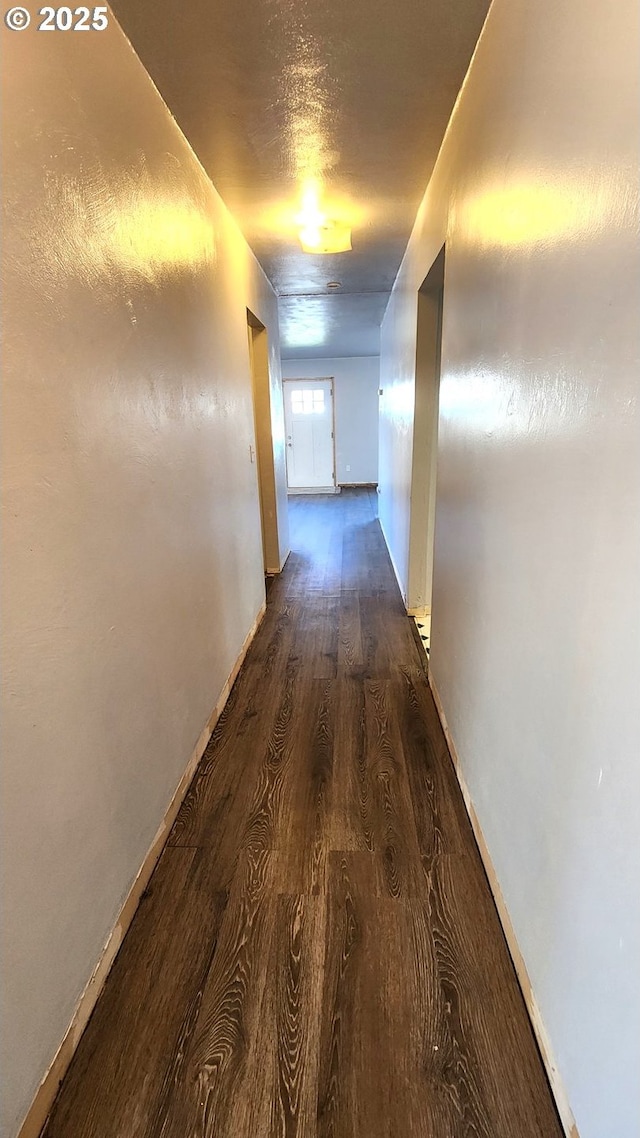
308	414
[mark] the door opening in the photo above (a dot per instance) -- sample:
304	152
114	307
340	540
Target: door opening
425	447
263	448
309	423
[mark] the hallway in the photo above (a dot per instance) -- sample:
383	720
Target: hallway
318	952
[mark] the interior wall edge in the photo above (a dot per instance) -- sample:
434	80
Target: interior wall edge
401	586
420	610
44	1098
558	1090
278	571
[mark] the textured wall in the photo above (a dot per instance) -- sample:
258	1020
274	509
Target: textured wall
356	411
133	561
536	624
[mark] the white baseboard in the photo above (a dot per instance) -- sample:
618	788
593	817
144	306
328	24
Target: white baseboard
46	1093
294	490
424	610
553	1074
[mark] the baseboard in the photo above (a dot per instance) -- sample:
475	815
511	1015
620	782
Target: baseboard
544	1045
421	610
358	485
313	490
48	1089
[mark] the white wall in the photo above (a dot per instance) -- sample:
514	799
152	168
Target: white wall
356	411
133	566
536	622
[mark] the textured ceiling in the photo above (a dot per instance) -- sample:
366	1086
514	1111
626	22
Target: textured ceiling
343	325
352	96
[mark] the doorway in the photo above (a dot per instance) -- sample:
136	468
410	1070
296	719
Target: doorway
309	424
425	448
263	449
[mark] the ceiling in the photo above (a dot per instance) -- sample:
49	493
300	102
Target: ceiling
350	97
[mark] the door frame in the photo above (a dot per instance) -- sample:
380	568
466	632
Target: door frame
330	379
429	312
262	448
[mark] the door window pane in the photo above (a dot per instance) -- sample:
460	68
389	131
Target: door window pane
305	402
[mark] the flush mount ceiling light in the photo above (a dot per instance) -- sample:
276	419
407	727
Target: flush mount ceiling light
333	285
325	237
319	233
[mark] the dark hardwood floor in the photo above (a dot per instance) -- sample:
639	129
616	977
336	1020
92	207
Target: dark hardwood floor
317	954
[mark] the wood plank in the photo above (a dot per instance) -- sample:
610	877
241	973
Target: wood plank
282	1071
207	1081
490	1064
354	1047
266	804
349	632
214	810
271	650
442	824
119	1074
316	643
303	831
395	838
351	805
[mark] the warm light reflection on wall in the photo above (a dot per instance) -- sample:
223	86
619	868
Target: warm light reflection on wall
525	214
141	231
477	397
154	236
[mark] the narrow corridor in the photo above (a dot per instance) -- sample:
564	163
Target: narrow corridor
318	952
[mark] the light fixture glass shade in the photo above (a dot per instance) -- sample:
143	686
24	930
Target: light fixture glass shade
327	237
